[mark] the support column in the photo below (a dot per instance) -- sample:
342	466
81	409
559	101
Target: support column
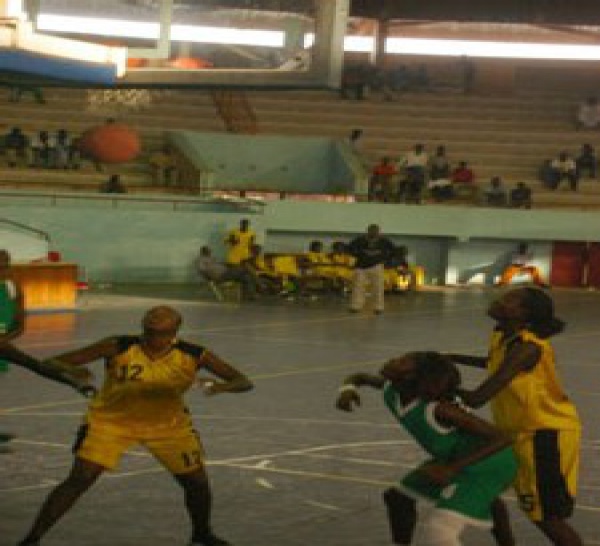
382	28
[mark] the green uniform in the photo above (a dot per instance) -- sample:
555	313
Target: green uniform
8	312
471	492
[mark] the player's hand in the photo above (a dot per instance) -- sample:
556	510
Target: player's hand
208	386
439	474
348	399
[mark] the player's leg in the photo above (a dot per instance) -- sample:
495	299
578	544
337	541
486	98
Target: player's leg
183	456
559	532
359	286
501	529
441	528
402	515
83	474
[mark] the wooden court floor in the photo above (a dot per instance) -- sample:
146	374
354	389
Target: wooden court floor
287	468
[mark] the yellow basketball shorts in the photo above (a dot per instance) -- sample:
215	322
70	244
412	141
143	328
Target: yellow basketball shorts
180	452
546	481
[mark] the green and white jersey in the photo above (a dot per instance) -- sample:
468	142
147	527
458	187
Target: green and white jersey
8	306
472	491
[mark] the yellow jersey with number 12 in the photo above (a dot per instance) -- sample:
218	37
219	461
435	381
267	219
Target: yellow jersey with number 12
142	396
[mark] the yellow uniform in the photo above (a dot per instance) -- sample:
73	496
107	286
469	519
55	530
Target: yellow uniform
343	265
546	429
239	245
141	402
319	264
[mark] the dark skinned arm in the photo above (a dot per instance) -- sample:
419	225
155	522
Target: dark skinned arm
468	360
521	357
232	380
451	415
349	396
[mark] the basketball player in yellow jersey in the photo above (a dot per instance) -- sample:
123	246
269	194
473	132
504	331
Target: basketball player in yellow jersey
141	403
239	242
529	403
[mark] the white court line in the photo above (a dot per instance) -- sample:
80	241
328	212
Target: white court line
241	463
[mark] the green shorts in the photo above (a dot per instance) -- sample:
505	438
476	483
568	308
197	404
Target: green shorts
473	490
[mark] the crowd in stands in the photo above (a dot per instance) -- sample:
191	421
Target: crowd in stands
42	149
416	177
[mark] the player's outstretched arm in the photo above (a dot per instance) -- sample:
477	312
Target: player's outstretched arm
348	396
232	380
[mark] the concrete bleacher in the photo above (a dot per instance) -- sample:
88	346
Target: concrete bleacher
504	136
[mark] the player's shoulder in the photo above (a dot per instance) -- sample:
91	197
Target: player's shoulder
191	349
122	343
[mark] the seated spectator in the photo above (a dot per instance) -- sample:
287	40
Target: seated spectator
355	81
520	196
586	161
415	164
463	180
564	167
495	194
440	185
439	166
113	185
16	144
164	166
354	140
520	262
381	185
43	150
342	267
547	174
588	114
211	269
67	156
261	267
397	276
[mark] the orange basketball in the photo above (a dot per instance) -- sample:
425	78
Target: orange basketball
111	143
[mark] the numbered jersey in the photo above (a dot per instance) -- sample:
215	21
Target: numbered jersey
143	396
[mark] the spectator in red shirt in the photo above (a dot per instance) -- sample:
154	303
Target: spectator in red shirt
463	180
381	187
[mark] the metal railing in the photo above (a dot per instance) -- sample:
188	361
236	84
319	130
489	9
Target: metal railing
43	234
237	203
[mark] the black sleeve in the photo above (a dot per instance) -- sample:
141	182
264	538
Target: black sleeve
124	342
190	348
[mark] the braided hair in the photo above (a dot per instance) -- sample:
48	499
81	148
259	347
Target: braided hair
540	317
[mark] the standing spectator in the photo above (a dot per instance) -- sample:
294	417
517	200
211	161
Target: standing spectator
495	193
588	114
239	243
521	262
564	167
587	161
463	179
371	252
381	185
520	196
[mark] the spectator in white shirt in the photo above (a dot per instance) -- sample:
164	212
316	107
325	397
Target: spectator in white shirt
564	167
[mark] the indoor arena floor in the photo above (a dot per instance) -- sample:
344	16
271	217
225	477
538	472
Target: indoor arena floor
286	467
